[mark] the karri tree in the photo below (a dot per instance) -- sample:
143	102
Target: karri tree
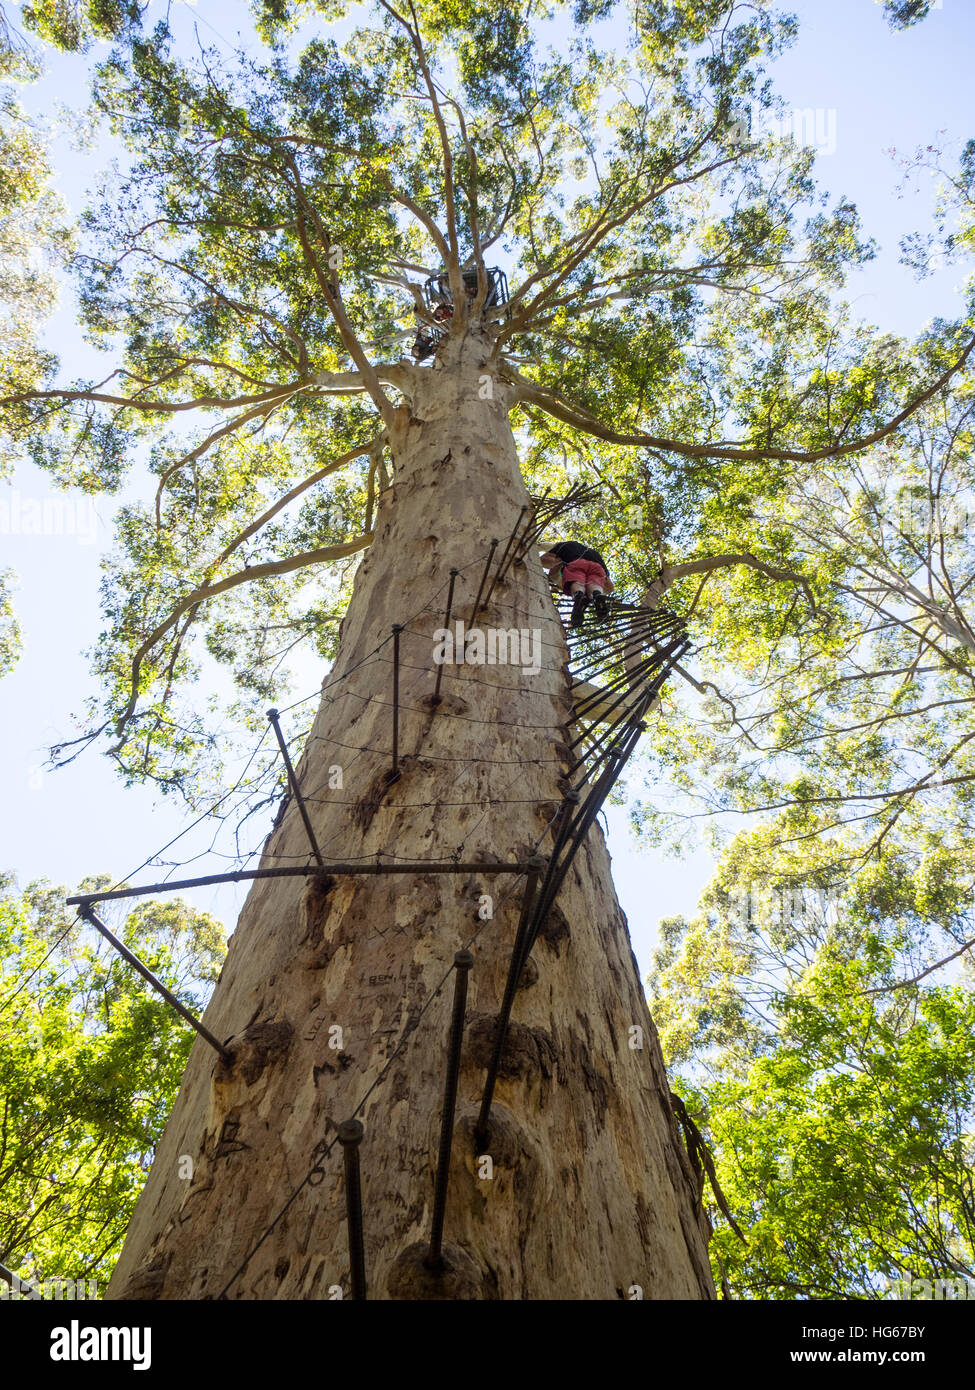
261	267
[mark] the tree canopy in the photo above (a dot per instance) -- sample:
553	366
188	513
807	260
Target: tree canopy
674	318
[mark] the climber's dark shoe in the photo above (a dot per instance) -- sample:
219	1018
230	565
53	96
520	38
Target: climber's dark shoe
579	605
600	607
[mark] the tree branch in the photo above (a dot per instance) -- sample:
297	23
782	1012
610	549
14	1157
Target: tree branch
560	409
208	591
671	573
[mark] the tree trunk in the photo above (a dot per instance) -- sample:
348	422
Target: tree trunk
589	1191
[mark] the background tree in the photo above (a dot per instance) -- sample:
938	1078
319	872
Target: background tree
90	1062
829	1063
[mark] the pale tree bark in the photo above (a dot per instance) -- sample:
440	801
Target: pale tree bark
592	1191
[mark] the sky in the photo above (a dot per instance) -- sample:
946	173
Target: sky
851	86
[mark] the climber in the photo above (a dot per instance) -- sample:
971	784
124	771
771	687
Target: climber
428	335
441	306
583	574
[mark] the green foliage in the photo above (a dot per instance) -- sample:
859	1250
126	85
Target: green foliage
73	25
90	1062
34	241
9	627
901	14
835	1086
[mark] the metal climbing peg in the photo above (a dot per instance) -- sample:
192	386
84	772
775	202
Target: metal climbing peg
446	622
272	715
394	773
463	961
87	912
350	1137
499	572
480	589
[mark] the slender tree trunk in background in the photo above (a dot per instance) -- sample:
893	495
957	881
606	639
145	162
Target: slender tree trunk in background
591	1191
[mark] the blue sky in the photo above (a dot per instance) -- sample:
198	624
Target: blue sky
869	90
